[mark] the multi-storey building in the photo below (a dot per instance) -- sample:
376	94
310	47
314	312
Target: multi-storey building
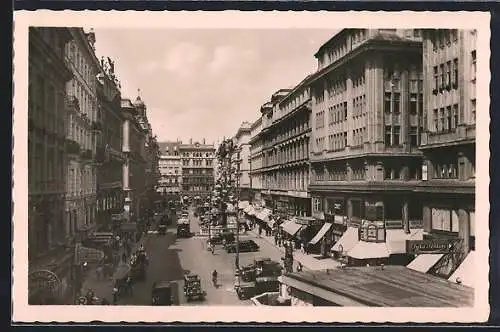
134	166
241	159
170	167
109	140
447	189
82	119
197	169
286	135
367	109
47	123
256	161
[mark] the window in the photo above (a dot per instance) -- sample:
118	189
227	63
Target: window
396	103
473	65
442	77
396	135
387	102
455	73
413	104
448	75
345	110
414	136
444	220
454	35
473	110
436	80
388	135
454	116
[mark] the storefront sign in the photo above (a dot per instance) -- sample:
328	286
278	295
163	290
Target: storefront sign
434	246
338	229
372	232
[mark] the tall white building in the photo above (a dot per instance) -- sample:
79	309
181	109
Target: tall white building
256	159
170	167
80	205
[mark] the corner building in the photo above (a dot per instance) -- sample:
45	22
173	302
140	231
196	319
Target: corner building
367	118
448	143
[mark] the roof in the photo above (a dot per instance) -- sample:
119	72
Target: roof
169	146
393	286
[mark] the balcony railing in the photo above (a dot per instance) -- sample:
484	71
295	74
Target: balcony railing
86	154
462	133
96	125
73	102
72	147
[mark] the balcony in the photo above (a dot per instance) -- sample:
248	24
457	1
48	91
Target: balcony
73	103
97	125
86	154
462	134
72	147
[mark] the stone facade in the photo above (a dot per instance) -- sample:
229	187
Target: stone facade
197	168
241	159
170	167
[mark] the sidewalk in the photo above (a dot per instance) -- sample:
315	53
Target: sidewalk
308	261
103	288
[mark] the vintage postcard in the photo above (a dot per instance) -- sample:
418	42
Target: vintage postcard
228	166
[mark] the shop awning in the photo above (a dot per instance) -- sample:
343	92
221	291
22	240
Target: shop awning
243	204
424	262
326	226
291	227
264	215
396	239
348	240
368	250
465	271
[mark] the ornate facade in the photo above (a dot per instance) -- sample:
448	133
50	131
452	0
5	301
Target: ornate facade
47	153
81	132
170	167
197	168
109	140
241	159
256	161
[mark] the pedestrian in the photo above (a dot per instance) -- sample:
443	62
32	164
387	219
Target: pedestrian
302	247
299	267
115	295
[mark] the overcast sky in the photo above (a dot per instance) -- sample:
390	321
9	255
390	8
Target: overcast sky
204	83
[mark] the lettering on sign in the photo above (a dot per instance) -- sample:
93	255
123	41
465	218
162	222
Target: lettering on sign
435	246
44	279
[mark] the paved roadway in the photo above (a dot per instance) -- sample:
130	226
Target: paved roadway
171	258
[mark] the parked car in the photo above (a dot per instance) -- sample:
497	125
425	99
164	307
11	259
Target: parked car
219	238
244	246
161	293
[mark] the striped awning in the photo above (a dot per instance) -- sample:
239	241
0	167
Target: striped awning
369	250
326	226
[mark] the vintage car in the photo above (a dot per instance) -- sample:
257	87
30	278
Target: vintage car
219	238
161	293
162	229
244	289
244	246
192	287
183	228
266	284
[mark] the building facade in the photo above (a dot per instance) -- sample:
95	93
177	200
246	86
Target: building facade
241	159
170	167
47	154
286	136
197	168
109	140
447	189
81	198
367	119
256	161
134	166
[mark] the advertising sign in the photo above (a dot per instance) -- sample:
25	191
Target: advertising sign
433	246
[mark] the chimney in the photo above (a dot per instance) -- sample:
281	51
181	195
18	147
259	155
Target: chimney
203	141
190	141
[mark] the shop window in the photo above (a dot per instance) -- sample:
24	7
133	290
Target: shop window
444	220
358	209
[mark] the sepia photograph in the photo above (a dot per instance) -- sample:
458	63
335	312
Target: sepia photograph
178	170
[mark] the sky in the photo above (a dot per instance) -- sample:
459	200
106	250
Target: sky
204	83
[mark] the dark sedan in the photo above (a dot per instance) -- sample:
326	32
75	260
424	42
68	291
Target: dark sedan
219	238
245	246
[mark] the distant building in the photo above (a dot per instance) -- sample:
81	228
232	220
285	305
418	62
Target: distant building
197	168
170	167
256	157
241	158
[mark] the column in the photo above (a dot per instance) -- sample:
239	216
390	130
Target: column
405	217
426	218
405	111
349	210
464	229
